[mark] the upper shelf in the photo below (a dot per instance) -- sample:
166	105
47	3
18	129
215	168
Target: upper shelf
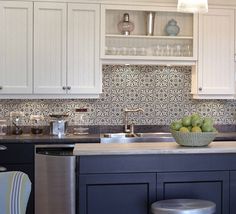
140	46
148	37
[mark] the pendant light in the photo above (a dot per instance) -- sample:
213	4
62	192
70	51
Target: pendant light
193	6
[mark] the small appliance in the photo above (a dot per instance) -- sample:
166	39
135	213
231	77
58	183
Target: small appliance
58	126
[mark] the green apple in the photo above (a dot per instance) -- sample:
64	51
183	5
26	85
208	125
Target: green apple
186	121
176	125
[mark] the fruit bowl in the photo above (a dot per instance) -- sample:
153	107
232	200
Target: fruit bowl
193	138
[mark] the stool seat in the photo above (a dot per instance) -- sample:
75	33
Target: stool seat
183	206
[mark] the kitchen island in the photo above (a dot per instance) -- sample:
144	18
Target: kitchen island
128	178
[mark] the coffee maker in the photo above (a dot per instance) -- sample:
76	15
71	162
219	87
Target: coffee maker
59	124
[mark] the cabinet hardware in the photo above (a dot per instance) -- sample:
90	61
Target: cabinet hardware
3	169
0	87
2	148
200	89
64	87
69	87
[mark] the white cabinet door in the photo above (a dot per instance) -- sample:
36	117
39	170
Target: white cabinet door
15	47
215	78
84	73
50	48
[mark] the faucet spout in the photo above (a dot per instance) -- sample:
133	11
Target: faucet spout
130	128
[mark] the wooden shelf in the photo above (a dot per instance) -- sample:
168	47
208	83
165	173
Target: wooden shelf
147	37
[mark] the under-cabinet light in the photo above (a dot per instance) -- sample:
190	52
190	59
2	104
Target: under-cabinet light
193	6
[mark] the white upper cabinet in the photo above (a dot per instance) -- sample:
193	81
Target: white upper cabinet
84	74
66	49
50	27
142	47
16	47
214	75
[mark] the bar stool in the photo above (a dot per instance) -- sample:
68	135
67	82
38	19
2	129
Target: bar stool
183	206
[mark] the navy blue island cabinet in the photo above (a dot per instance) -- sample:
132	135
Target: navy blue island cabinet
129	184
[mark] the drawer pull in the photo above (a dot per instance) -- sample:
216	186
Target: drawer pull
2	148
3	169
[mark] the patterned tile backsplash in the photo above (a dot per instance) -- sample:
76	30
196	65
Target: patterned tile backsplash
163	92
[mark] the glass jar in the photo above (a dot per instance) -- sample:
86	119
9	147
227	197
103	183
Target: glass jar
3	127
36	124
16	118
80	127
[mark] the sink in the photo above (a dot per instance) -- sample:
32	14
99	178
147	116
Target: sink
119	135
155	134
137	137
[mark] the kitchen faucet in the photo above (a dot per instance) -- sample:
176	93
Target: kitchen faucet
131	126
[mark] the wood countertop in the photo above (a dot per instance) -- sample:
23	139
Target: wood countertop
152	148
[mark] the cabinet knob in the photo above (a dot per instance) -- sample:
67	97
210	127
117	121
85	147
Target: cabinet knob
64	87
200	89
2	148
3	169
0	87
69	87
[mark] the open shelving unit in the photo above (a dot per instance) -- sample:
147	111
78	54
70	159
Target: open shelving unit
139	46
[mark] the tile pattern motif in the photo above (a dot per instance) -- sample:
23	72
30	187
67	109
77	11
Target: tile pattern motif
163	92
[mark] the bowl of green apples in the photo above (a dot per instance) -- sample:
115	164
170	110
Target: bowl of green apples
193	130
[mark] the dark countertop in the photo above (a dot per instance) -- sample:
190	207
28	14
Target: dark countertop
90	138
30	138
226	136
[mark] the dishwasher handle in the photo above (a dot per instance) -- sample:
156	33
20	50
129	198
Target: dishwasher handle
55	151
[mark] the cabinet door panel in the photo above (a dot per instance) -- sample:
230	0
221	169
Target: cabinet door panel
116	193
16	47
213	186
84	75
13	153
216	52
49	48
232	192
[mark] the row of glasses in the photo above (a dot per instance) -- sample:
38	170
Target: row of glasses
126	51
178	50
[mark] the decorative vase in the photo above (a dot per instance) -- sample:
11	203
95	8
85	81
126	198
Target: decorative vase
150	23
125	26
172	29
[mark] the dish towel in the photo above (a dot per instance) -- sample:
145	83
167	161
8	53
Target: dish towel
15	188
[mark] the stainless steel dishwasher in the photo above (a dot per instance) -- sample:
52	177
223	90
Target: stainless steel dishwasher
55	181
